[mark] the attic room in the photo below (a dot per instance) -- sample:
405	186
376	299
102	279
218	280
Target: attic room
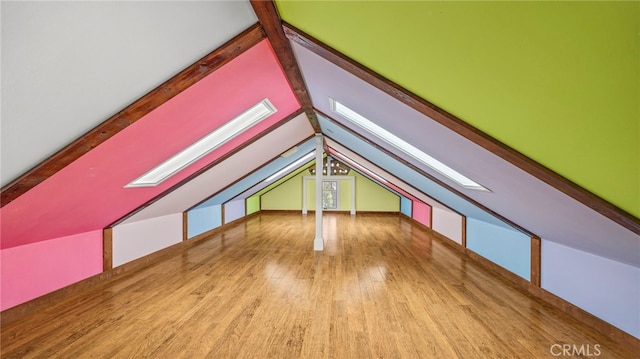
320	179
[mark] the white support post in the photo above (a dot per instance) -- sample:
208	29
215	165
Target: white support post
318	242
304	196
353	195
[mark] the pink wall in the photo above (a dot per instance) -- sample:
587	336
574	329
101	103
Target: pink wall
88	194
32	270
422	213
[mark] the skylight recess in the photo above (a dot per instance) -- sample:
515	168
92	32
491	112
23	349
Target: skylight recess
359	166
405	147
290	167
205	145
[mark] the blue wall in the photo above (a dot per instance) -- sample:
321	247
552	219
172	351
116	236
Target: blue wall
507	248
202	219
405	206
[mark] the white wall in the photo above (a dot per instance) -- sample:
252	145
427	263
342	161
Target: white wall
447	223
134	240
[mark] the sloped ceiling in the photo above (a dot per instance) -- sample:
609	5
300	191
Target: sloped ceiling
538	209
88	194
256	155
556	80
68	66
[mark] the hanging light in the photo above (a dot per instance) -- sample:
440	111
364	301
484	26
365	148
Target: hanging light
335	168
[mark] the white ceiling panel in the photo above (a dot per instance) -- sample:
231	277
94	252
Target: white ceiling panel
69	66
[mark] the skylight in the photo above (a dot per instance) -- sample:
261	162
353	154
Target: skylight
290	167
205	145
359	166
405	147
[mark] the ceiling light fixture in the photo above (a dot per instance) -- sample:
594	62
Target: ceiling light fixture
336	168
359	166
290	167
289	152
205	145
405	147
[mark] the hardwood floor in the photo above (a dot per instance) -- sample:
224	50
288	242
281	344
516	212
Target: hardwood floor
383	288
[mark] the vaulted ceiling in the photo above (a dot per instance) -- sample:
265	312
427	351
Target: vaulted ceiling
95	94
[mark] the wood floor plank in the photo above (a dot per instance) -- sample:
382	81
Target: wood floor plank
383	288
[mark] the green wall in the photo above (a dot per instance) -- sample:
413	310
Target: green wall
369	195
557	81
253	204
286	196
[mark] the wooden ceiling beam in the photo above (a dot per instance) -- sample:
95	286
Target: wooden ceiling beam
464	129
272	24
121	120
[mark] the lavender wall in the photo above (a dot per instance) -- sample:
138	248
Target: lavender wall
233	210
607	289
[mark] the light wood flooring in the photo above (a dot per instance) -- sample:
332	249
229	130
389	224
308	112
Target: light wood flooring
383	288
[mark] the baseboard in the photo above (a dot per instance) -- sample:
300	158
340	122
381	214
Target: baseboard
614	333
19	311
280	211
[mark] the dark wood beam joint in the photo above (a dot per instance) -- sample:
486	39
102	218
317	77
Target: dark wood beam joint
107	249
272	24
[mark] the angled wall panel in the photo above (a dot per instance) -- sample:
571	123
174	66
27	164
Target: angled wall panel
35	269
405	206
134	240
233	210
287	196
370	196
508	248
605	288
422	213
447	223
203	219
253	204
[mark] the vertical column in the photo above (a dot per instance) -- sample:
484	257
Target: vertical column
318	242
304	196
535	260
107	249
353	195
185	225
464	232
